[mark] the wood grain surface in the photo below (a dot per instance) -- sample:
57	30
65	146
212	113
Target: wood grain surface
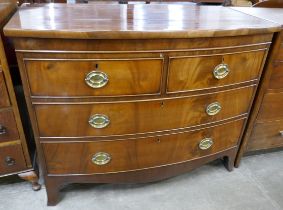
190	73
71	120
132	22
62	158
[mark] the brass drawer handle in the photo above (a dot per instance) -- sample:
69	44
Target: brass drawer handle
213	108
101	158
96	79
99	121
3	130
10	161
281	133
221	71
206	143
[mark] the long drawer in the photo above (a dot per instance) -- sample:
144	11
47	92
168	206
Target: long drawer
208	71
271	107
11	159
119	118
8	126
4	98
266	135
276	80
125	155
91	77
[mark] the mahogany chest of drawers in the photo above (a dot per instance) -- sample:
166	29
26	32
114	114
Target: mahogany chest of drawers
136	93
265	128
14	154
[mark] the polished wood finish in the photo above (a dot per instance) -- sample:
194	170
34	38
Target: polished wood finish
269	4
139	117
137	76
7	121
271	107
12	158
132	22
276	80
14	155
190	73
266	135
152	135
266	117
4	98
138	154
32	177
56	183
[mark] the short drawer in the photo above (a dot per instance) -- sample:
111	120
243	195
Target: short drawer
276	80
125	155
11	159
271	107
8	126
74	78
266	136
4	98
202	72
120	118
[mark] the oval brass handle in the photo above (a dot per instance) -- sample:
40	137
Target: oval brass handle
206	143
221	71
96	79
101	158
213	108
10	161
99	121
3	130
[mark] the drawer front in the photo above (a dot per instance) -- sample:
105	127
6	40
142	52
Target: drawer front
266	136
271	107
11	159
103	119
125	155
276	80
4	98
74	78
200	72
8	126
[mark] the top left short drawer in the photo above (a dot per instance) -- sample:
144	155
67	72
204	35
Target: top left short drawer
94	77
4	98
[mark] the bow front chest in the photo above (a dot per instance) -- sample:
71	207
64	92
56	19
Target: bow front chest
136	93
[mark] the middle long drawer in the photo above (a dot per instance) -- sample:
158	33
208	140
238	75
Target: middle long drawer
131	117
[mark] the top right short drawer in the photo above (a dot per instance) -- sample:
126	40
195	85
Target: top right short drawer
187	73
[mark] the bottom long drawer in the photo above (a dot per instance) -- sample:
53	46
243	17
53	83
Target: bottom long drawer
133	154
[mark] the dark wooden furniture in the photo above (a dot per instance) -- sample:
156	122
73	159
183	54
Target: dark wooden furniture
264	130
136	93
14	154
270	4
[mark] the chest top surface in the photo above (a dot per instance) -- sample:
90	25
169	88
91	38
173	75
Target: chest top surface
270	14
132	22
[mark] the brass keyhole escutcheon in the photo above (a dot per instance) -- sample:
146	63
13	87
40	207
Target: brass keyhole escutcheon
221	71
